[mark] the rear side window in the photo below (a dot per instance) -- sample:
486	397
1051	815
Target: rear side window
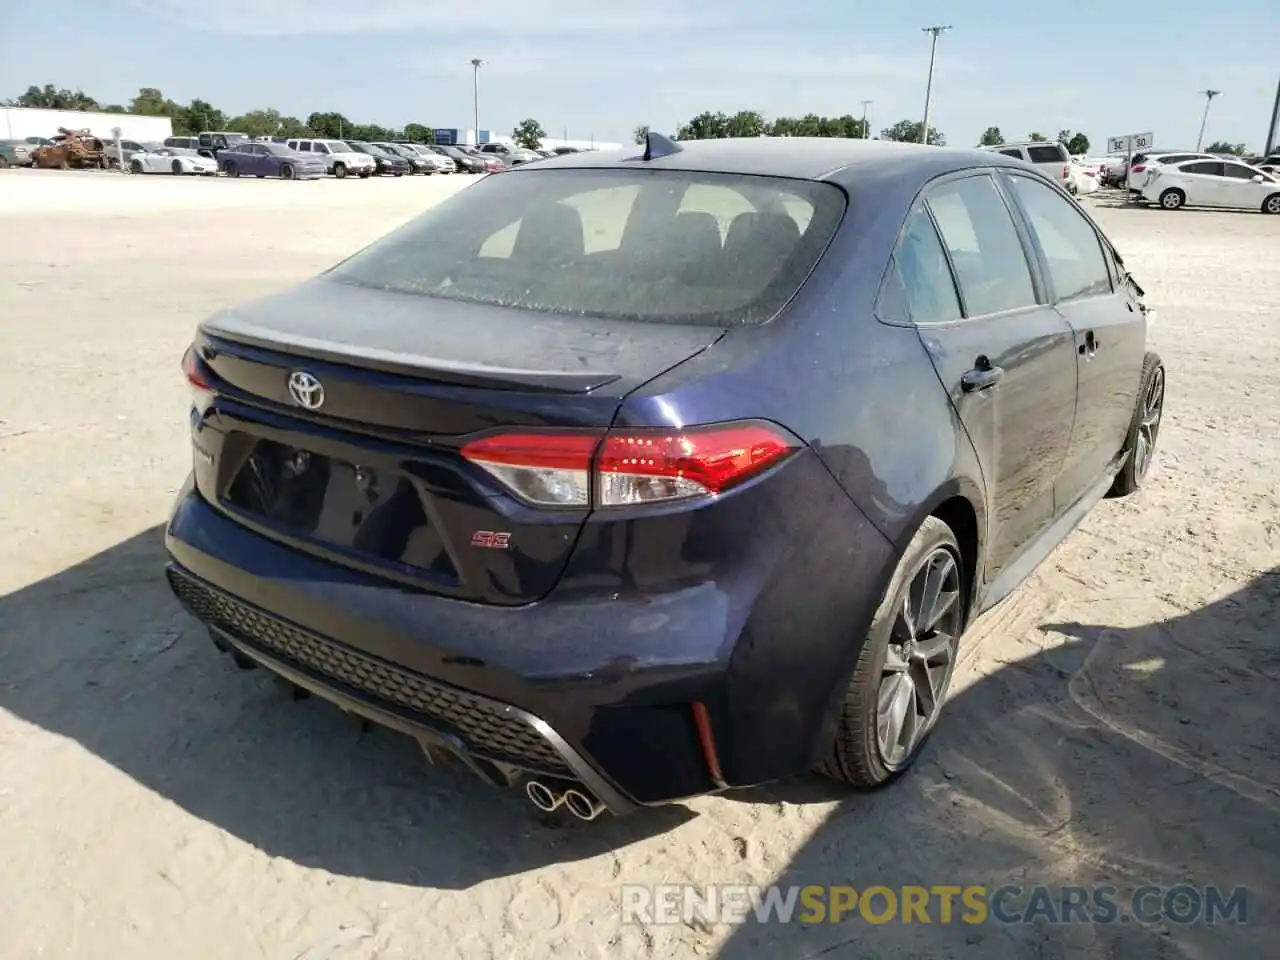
1048	154
919	287
644	245
1206	168
1014	152
990	264
1070	245
1239	171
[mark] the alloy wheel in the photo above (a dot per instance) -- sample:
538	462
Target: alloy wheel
1273	204
1149	425
920	657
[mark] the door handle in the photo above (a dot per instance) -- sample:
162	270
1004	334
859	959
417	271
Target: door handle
1090	346
982	377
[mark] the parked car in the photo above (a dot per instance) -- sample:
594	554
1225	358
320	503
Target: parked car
493	163
211	143
465	162
15	153
269	160
1052	158
1141	164
553	512
1212	183
383	161
338	157
417	162
175	160
439	162
183	143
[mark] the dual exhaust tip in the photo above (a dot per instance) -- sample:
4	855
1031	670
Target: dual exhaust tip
578	802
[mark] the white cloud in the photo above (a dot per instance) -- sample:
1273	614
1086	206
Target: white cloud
279	18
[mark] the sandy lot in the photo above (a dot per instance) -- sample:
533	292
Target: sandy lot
1116	721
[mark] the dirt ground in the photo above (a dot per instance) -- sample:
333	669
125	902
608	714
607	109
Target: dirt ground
1115	722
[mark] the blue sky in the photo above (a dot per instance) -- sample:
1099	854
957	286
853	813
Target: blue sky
598	69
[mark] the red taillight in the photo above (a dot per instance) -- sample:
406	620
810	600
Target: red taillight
1138	169
195	371
628	467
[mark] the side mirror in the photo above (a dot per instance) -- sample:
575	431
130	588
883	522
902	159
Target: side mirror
1257	178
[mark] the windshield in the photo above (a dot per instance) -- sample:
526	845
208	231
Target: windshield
337	146
278	149
361	147
661	246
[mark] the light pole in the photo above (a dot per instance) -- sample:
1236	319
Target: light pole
866	127
475	96
928	89
1275	120
1208	99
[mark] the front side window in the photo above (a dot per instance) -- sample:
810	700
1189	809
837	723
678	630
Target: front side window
1239	171
1070	245
645	245
977	229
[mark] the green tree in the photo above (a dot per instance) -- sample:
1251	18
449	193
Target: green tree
745	123
641	134
417	133
50	97
333	125
529	134
1078	144
1037	138
198	116
705	126
991	137
293	127
257	123
908	131
1221	146
150	102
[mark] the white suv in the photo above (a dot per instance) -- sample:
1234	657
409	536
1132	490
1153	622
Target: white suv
339	158
1053	159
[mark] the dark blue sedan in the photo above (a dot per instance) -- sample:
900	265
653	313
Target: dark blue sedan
252	158
631	477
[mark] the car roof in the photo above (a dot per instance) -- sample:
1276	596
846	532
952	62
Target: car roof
804	158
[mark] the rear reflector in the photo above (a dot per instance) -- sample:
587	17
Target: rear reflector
628	467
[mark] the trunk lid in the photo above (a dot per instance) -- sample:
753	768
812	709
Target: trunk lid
371	475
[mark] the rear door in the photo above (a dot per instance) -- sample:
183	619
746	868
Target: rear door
1204	183
1109	330
1005	356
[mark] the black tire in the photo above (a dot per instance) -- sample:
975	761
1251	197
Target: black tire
1144	429
1172	199
286	171
365	174
135	166
4	163
858	757
1271	204
399	174
233	171
340	171
176	167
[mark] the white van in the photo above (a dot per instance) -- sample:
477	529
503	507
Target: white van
339	159
1053	159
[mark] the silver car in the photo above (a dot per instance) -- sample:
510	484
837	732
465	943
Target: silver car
176	160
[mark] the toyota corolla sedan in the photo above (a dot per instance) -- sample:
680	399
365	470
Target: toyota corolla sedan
630	477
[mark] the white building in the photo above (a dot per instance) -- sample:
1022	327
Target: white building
18	123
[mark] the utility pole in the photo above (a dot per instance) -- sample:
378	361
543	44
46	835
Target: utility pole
475	96
866	125
928	89
1275	121
1208	99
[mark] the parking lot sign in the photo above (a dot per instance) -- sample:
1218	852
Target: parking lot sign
1131	143
446	137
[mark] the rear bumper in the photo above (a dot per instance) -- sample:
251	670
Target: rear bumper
593	685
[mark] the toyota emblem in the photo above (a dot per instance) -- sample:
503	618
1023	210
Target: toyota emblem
306	390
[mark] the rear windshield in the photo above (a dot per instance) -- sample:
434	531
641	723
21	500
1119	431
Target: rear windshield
658	246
